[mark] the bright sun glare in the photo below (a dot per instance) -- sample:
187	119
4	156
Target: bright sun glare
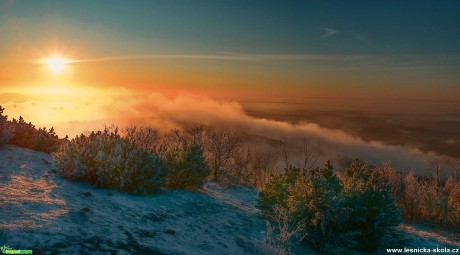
56	64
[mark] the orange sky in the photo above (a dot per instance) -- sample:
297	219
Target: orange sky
269	51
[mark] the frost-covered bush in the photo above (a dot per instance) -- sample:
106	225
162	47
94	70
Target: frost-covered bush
314	199
6	130
187	167
146	138
425	199
105	159
454	206
276	191
280	232
410	201
317	199
354	211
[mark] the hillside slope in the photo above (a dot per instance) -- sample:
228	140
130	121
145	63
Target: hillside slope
41	211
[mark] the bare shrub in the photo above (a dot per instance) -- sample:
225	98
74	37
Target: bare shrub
261	167
280	233
230	161
310	157
221	149
146	138
187	167
184	155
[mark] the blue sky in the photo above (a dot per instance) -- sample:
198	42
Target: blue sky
354	27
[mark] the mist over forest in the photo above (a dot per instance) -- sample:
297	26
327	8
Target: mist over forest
411	134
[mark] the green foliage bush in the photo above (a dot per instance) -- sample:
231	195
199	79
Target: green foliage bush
374	210
276	191
318	201
354	211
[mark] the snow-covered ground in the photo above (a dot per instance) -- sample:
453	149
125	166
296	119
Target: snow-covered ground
41	211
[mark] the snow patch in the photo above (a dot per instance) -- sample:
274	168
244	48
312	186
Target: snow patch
41	211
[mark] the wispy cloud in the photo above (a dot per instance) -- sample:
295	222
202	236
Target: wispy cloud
343	60
328	32
225	57
369	42
169	56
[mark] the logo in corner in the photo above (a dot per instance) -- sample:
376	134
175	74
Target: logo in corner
4	248
8	250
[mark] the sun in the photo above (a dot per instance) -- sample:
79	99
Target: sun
56	64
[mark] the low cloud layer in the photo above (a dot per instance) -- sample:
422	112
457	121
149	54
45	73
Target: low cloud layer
330	144
125	107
